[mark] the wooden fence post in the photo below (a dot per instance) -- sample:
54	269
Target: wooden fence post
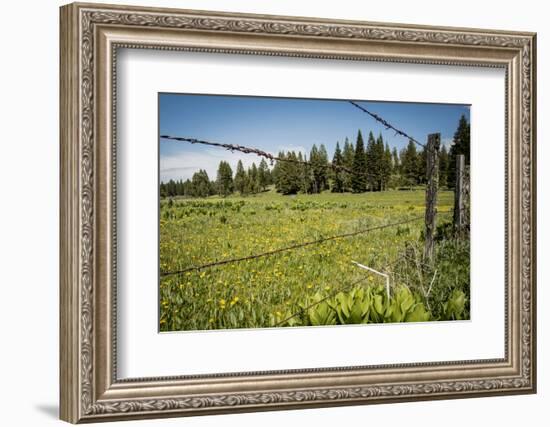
432	174
459	208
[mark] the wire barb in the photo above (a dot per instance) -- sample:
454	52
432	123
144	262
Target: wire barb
386	124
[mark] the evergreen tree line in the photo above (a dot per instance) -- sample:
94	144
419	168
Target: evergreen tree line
365	167
250	181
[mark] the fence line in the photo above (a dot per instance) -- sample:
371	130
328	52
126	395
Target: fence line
272	158
288	248
249	150
386	124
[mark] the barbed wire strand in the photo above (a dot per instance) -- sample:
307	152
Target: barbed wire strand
250	150
288	248
386	124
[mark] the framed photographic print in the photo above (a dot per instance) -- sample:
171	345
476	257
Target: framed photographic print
265	212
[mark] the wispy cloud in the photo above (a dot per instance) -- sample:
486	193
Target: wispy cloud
178	169
184	165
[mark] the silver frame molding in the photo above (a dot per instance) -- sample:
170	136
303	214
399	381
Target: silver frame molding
90	37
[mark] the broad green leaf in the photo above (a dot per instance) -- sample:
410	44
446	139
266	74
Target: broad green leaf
418	314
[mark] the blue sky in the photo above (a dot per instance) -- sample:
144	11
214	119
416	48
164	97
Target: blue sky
275	124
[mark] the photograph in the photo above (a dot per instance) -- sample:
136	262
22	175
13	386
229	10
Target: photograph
289	208
279	212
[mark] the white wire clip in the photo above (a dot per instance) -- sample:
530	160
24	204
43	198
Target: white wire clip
372	270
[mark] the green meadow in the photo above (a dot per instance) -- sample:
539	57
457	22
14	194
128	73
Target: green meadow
317	284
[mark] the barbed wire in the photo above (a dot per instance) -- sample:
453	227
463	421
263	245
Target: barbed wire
287	248
250	150
386	124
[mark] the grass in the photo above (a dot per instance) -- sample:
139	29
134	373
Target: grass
266	291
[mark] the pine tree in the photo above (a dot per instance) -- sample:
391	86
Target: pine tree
314	163
201	184
305	173
240	181
179	188
224	179
348	155
409	164
263	175
249	187
171	188
358	178
370	162
162	190
212	188
379	163
386	167
276	171
295	173
395	161
188	188
289	174
338	174
253	181
322	168
460	145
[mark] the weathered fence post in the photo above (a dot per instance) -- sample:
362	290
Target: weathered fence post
432	174
459	216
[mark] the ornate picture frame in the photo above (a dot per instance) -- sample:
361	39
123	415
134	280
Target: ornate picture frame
90	37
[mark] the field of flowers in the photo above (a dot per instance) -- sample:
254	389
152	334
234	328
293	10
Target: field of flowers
314	285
